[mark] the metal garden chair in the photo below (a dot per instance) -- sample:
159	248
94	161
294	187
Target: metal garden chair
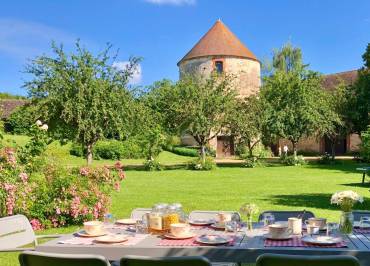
284	215
16	232
32	258
295	260
358	214
164	261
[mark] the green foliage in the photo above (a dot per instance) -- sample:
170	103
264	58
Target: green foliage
360	103
112	149
5	95
365	145
152	165
287	59
184	151
296	105
251	162
82	96
291	160
20	121
202	165
326	158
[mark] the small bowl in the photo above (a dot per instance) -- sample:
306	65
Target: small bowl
93	227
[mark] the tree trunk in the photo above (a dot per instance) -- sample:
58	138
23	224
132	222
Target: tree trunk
333	149
294	144
250	148
89	153
203	153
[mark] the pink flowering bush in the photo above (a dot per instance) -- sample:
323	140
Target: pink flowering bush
55	196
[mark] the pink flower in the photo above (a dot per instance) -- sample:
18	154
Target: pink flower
36	225
57	211
23	177
117	186
121	175
118	165
84	171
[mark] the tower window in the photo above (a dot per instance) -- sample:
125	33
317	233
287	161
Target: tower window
219	67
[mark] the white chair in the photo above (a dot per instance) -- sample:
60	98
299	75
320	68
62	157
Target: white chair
16	231
137	214
212	215
359	213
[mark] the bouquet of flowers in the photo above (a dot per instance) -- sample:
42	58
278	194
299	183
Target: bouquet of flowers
346	199
248	209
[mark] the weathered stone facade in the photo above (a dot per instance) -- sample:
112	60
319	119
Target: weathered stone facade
245	72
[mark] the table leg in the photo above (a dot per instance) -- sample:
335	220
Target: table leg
363	178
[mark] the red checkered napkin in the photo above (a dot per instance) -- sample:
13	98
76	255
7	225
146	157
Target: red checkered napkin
297	242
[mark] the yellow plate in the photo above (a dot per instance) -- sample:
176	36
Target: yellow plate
83	233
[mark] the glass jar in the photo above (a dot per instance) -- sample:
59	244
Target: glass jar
170	217
346	222
183	217
156	219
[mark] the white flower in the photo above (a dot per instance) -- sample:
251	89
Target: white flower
343	197
249	209
39	123
44	127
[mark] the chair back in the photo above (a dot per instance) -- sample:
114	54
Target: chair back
32	258
212	215
358	214
285	215
164	261
294	260
137	214
15	231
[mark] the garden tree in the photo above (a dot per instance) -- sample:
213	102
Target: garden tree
202	107
297	105
360	106
287	58
248	121
338	120
81	96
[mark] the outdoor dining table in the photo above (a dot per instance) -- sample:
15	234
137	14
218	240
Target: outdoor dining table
247	246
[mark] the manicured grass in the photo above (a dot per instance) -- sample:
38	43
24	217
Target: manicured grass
272	188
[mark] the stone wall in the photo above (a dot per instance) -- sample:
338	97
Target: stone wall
247	72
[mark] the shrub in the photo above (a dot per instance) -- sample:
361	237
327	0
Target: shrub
290	160
152	165
184	151
198	164
251	162
326	158
21	120
365	145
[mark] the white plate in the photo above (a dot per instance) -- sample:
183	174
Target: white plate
170	236
218	226
126	221
321	240
213	239
109	239
282	237
200	222
83	233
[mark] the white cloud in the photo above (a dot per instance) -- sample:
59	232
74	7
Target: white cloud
172	2
137	72
25	39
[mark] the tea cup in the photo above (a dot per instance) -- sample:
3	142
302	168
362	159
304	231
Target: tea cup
223	217
313	229
180	229
93	227
278	230
296	225
320	222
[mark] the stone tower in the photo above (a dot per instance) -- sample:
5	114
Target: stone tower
220	50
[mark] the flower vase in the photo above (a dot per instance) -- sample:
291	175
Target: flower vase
249	223
346	222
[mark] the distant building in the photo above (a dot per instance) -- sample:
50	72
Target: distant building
8	106
220	50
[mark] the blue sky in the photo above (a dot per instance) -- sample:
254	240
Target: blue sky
332	34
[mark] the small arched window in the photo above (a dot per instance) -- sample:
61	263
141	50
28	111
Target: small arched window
219	66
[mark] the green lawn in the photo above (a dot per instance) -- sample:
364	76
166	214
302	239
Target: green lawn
272	187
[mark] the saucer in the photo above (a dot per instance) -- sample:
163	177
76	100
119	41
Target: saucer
213	240
126	221
321	240
110	239
83	233
282	237
200	222
170	236
218	226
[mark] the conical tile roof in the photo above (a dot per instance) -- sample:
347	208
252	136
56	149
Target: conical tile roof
219	41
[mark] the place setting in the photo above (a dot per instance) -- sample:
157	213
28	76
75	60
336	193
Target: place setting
315	232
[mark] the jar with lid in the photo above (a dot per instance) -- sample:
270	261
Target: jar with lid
170	217
156	218
183	217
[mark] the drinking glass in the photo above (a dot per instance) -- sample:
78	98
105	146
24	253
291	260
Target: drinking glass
109	219
268	218
332	228
141	227
231	226
365	222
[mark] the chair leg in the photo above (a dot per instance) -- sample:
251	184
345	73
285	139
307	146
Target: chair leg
363	178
